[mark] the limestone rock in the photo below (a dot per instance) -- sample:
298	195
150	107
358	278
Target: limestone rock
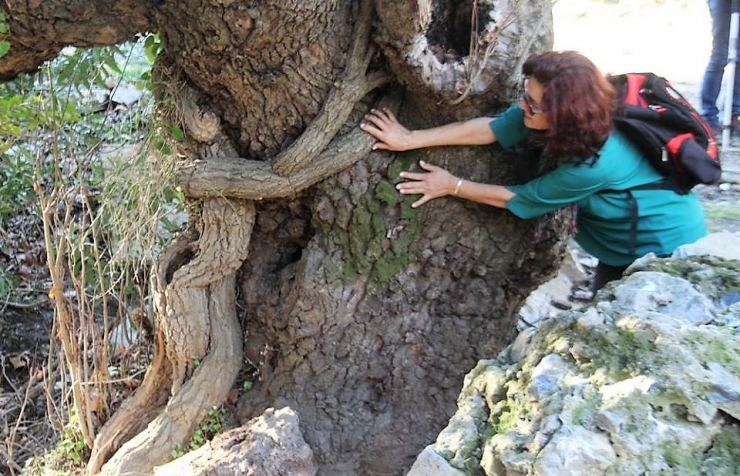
645	381
269	445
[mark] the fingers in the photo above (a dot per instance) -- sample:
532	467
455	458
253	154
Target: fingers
376	128
387	114
421	201
381	119
429	167
383	126
411	188
424	165
383	114
380	145
413	175
415	188
376	121
432	183
421	177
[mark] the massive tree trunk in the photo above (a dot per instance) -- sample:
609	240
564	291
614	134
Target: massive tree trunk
357	311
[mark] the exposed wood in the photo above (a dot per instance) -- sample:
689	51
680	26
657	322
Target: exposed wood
137	411
207	388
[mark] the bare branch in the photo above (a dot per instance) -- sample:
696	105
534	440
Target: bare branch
40	29
249	179
338	105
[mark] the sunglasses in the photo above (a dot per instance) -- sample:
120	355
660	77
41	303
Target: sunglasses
532	109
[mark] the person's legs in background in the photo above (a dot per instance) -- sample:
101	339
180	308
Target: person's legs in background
736	87
712	82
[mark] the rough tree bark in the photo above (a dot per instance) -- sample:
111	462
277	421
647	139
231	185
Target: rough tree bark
355	310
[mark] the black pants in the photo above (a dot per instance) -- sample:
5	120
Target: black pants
606	273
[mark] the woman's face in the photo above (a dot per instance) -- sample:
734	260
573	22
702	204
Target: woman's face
531	104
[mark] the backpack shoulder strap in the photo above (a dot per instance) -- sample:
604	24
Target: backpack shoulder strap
634	216
635	208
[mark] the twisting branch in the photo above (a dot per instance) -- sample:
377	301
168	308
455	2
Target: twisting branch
316	154
250	179
339	103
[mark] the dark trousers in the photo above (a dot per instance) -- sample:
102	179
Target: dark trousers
606	273
712	83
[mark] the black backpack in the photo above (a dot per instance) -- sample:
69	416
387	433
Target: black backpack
668	130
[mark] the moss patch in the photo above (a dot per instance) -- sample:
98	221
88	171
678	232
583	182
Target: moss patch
680	460
719	346
585	411
620	352
374	229
507	415
724	455
714	276
723	211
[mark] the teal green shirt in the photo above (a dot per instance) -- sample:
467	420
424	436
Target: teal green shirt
666	219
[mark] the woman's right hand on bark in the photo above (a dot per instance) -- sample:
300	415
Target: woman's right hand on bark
384	126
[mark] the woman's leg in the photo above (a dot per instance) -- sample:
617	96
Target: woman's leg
606	273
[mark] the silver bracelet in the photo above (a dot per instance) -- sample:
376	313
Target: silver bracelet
457	187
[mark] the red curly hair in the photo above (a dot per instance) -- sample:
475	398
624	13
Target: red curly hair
578	102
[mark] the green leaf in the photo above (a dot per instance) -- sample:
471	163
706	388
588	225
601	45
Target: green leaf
3	28
177	133
152	47
4	47
162	146
109	60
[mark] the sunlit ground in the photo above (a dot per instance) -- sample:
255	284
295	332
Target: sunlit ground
669	37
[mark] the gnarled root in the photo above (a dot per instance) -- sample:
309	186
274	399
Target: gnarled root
201	339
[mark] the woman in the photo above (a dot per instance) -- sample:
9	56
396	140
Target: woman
567	106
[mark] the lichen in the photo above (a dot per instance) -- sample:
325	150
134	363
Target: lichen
617	352
375	230
680	460
508	414
585	411
405	160
723	457
643	380
387	193
713	275
719	346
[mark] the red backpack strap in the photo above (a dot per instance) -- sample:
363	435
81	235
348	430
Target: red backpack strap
635	83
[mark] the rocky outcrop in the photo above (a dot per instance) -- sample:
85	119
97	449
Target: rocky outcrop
644	381
269	445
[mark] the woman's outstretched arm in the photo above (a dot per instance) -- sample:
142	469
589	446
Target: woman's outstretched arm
391	135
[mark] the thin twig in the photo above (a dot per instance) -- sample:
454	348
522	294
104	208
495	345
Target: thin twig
11	438
477	66
20	305
474	72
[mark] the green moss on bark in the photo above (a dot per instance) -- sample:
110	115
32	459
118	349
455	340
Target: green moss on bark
376	232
